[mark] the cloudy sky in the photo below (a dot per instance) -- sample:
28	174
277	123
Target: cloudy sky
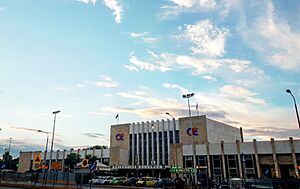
92	59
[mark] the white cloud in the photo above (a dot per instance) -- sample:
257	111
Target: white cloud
98	113
198	66
144	36
115	6
135	35
207	39
136	64
106	82
88	1
208	77
273	37
182	6
240	93
175	86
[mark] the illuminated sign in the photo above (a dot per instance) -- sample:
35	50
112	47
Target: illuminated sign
120	136
192	131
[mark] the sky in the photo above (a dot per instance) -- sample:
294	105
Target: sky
94	59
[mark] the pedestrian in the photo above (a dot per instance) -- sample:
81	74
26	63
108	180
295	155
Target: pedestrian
179	183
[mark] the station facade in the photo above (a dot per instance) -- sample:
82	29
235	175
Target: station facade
158	145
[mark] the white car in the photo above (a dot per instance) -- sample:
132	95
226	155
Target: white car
105	180
94	180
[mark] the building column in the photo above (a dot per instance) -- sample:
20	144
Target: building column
132	141
238	150
157	141
256	158
163	142
138	145
294	157
223	161
174	130
152	142
168	140
101	154
208	160
147	140
142	143
63	160
277	170
94	151
57	155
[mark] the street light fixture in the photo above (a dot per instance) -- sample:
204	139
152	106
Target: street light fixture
188	96
55	112
174	140
295	104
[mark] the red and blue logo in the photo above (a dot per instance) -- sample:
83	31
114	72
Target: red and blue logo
192	131
120	136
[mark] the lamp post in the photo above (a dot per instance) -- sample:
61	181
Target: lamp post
188	96
9	152
295	104
45	154
55	112
174	140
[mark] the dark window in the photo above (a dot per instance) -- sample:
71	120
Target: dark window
150	146
188	161
171	137
140	148
145	148
130	149
155	145
177	136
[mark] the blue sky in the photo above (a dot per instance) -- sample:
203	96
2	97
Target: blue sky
93	59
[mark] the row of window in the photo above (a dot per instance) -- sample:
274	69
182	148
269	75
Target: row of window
139	159
231	162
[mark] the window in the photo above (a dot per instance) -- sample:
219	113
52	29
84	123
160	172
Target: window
188	161
171	137
130	149
150	147
145	148
177	136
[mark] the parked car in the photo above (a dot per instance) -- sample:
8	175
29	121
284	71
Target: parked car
106	181
164	182
131	181
118	180
142	181
151	182
94	180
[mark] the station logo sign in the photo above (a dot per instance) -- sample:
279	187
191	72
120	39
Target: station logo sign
192	131
120	136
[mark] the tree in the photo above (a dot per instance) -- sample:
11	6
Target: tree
91	158
72	159
6	160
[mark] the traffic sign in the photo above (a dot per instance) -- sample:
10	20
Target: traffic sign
85	163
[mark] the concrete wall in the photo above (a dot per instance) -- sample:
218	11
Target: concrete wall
25	161
217	131
198	122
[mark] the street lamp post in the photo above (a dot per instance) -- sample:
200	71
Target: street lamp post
55	112
45	154
9	152
174	140
188	96
295	104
